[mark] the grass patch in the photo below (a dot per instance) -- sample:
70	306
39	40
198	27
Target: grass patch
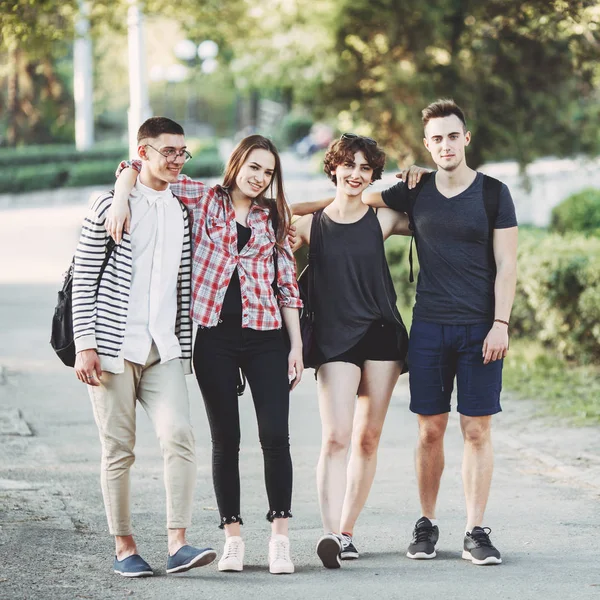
566	389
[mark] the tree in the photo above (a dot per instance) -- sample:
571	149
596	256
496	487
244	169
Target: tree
525	71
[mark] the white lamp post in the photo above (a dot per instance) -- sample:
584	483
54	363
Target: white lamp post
139	106
83	91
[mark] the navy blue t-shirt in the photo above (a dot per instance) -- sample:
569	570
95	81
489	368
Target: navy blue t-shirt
456	279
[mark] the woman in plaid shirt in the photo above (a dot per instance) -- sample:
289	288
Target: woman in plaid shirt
240	312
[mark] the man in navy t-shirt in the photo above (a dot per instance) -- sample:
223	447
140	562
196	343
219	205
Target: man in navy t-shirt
460	322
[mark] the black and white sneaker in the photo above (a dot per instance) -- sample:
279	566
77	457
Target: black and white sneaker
425	537
329	547
349	551
478	547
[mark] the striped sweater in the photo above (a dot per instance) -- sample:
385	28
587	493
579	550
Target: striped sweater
100	312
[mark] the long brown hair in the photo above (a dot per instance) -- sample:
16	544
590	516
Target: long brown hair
278	204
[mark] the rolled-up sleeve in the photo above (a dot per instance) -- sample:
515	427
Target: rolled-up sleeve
288	294
129	164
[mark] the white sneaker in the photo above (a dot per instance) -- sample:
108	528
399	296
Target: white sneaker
279	555
233	554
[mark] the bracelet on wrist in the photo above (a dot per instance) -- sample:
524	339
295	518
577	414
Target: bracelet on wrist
501	321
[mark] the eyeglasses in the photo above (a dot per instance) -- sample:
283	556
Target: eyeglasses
171	154
353	136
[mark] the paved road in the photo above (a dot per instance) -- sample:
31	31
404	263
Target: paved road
53	536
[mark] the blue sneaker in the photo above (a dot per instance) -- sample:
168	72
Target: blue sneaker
133	566
188	557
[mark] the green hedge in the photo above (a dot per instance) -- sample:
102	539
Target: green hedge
293	128
205	164
38	155
28	179
580	213
19	179
558	293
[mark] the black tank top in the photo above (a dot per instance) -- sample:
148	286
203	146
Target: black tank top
353	285
232	303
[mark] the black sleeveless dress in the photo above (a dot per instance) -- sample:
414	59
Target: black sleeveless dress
353	285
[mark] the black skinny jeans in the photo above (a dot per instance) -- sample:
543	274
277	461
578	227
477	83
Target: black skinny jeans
262	355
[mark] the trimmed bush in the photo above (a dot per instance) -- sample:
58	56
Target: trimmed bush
28	178
54	153
558	293
579	213
92	173
294	127
204	165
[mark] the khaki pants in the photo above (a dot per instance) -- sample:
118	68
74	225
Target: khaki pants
162	391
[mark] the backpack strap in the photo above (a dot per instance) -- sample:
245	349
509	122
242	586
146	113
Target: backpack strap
491	202
314	251
412	199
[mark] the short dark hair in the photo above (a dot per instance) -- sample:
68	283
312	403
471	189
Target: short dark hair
155	126
345	148
444	107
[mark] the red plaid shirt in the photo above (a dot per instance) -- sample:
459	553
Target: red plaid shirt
215	257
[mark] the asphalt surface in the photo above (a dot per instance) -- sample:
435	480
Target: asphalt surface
54	542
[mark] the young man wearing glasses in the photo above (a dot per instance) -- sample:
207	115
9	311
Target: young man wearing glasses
133	340
466	230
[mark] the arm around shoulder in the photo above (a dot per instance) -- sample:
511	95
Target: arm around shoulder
308	208
374	199
302	225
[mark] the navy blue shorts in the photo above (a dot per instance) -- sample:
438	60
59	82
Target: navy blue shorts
439	353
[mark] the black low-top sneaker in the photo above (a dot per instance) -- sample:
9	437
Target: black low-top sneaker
478	547
328	548
348	551
425	537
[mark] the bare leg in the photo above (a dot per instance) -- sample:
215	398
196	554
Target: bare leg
429	460
279	526
374	393
337	385
232	530
478	466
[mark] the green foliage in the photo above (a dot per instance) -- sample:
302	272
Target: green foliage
15	180
397	251
558	293
97	172
294	127
526	71
204	165
52	153
578	213
534	371
96	167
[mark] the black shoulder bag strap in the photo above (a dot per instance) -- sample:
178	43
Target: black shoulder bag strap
412	199
491	202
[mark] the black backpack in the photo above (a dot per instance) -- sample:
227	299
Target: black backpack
62	339
491	200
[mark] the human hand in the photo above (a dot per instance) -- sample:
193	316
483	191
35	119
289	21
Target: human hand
495	345
412	175
295	366
292	235
87	367
118	219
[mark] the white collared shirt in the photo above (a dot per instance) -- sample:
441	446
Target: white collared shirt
156	247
